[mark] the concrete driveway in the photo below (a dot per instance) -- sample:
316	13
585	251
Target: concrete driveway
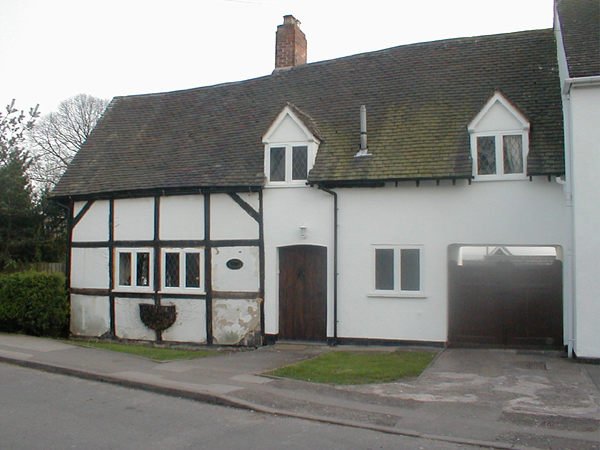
523	388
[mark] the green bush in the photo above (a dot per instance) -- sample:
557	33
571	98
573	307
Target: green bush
34	303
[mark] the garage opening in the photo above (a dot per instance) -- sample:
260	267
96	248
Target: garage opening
501	295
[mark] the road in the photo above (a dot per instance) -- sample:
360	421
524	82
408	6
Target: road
39	410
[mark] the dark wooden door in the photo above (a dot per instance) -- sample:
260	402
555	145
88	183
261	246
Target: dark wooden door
303	293
504	304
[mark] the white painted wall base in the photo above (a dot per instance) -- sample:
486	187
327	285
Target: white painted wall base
128	324
190	325
90	315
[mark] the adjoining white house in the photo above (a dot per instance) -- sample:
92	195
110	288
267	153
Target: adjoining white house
577	28
414	194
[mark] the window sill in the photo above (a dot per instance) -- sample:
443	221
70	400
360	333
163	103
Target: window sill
302	184
191	291
396	295
134	289
520	177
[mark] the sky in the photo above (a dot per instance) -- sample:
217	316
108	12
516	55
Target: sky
51	50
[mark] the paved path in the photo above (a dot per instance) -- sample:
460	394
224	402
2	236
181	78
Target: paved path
491	398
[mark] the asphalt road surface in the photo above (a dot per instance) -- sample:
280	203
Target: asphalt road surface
39	410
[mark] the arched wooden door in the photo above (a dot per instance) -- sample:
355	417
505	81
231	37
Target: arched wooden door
303	293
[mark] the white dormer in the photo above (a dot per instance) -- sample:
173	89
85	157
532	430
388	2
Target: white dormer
290	150
499	141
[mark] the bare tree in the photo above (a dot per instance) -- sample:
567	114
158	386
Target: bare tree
57	137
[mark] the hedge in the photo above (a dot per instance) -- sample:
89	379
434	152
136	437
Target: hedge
34	303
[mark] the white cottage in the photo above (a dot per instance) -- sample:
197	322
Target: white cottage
415	194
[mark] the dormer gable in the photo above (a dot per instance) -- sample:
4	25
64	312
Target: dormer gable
498	114
291	145
292	125
499	141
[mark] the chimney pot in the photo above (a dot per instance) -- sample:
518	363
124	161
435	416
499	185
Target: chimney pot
290	46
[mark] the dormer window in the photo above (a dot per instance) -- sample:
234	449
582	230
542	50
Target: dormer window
288	163
290	150
499	141
500	154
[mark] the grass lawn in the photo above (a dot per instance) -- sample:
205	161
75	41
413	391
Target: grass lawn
146	351
346	367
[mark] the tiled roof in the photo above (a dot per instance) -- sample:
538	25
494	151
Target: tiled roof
419	98
580	27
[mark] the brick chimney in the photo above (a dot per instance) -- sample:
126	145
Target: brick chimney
290	45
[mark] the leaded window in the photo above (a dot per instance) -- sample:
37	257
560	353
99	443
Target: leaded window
192	270
288	164
500	155
182	269
171	269
299	162
277	164
133	268
486	155
125	269
513	153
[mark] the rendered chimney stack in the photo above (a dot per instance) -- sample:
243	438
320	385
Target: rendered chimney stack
290	46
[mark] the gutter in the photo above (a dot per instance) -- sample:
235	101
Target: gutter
569	288
568	83
335	260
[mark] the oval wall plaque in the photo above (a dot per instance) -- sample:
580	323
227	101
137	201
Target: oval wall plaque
234	264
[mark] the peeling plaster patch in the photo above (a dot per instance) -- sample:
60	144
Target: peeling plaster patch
236	322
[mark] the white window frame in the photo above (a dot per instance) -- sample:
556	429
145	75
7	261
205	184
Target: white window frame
499	148
182	271
133	287
475	132
397	291
310	142
288	181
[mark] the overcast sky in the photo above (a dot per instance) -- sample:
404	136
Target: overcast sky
51	50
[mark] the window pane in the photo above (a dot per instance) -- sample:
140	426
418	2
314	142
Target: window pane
172	269
124	269
410	272
384	269
277	164
486	155
192	270
143	269
513	154
299	163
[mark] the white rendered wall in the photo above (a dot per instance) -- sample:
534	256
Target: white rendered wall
246	279
128	324
90	315
229	221
585	129
502	212
285	211
182	217
134	219
190	324
89	268
93	226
